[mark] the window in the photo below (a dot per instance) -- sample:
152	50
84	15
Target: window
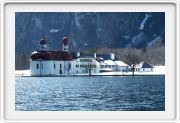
83	66
37	66
54	66
59	65
77	65
85	60
60	71
87	66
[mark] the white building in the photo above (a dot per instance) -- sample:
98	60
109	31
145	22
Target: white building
55	63
48	63
85	65
121	66
144	67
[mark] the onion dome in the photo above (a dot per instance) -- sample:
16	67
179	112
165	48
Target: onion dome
46	56
65	41
36	55
43	41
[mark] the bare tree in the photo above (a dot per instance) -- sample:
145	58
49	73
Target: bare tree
89	68
132	60
69	67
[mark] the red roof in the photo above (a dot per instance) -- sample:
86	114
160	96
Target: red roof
61	55
41	55
52	55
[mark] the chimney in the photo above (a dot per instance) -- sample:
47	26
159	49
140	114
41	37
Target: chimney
112	56
78	54
95	55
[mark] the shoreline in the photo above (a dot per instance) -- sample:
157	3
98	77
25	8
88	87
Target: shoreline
93	75
158	71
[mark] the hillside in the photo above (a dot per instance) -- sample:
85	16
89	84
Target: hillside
89	30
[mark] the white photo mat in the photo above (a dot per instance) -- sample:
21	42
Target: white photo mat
8	10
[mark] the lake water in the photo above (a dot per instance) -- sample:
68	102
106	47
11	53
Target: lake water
100	93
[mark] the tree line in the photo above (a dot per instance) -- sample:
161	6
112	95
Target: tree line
153	56
22	61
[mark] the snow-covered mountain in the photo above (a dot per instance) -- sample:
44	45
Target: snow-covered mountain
90	29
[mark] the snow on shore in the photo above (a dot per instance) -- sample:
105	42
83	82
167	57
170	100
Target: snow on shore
158	70
22	73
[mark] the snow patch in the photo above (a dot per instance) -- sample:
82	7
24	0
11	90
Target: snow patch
85	44
54	30
22	72
158	70
154	41
136	40
144	21
126	36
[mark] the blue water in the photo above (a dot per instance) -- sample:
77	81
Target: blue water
90	93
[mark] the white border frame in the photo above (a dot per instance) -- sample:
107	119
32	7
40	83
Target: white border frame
3	53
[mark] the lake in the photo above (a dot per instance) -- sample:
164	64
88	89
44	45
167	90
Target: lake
95	93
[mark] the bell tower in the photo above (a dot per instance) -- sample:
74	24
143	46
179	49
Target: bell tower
65	44
43	44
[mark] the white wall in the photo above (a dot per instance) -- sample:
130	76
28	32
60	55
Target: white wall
64	67
47	68
33	70
123	68
44	68
80	70
57	67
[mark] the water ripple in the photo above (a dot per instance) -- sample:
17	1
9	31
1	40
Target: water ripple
90	93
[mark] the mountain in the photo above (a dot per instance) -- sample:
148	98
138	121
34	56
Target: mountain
87	30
